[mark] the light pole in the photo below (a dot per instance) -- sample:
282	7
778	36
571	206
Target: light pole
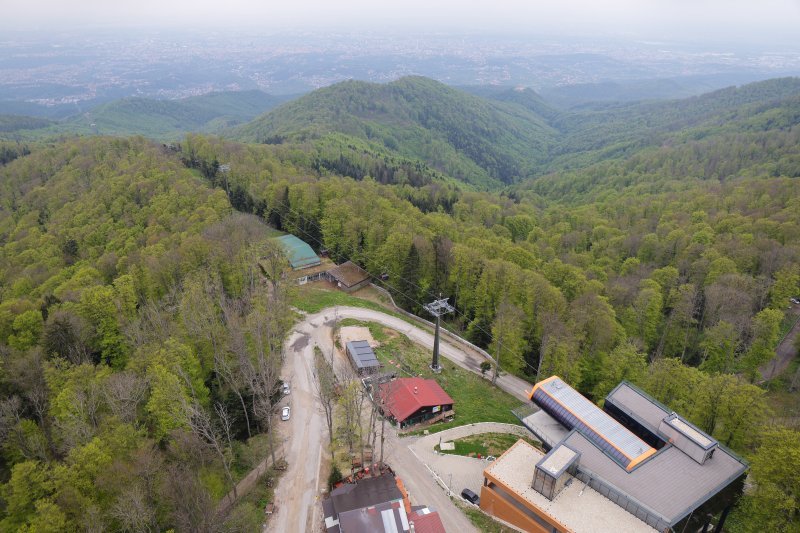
437	308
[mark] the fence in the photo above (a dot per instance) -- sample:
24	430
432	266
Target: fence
302	280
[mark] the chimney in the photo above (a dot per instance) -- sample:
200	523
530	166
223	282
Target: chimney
411	526
415	389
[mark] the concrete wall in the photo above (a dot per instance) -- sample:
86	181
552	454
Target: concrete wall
496	505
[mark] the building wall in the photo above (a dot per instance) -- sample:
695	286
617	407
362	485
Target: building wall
354	287
424	414
713	510
496	504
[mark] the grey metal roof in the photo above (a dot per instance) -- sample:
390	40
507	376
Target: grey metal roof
362	355
670	482
545	427
368	491
638	406
596	423
387	517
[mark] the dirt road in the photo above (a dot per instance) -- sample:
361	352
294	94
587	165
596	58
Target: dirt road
296	497
785	351
298	489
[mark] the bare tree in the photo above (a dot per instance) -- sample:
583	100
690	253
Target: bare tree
133	511
268	323
352	402
192	507
217	436
29	444
264	379
273	264
124	392
154	322
325	389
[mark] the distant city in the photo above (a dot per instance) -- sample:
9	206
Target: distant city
69	72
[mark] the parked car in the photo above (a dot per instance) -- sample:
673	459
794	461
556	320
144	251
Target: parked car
470	496
285	412
286	389
795	301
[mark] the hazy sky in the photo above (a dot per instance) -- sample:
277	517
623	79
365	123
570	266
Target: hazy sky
762	21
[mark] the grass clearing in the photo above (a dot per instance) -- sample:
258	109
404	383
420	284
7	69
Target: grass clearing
313	299
486	444
484	522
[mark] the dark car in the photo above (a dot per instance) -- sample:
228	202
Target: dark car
470	496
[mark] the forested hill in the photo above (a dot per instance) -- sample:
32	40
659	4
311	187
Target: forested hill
115	262
478	141
489	137
132	322
157	119
602	132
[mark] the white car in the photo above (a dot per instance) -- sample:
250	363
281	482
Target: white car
286	389
285	412
794	300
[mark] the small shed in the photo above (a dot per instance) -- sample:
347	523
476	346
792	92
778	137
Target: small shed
362	357
349	276
298	252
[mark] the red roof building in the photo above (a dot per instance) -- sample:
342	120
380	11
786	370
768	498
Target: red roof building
426	521
411	401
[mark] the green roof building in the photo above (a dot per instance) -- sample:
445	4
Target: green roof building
298	252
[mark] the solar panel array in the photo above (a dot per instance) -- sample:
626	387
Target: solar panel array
574	411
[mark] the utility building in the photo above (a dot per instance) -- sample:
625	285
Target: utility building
635	453
298	252
362	357
349	277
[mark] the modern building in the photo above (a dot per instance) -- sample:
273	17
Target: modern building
634	452
539	492
362	357
298	252
349	277
412	401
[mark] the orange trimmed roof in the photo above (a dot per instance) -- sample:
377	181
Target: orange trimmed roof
574	411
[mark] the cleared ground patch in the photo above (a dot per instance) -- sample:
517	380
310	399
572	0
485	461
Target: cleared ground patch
485	444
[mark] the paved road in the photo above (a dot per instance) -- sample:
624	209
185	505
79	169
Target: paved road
296	495
456	471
